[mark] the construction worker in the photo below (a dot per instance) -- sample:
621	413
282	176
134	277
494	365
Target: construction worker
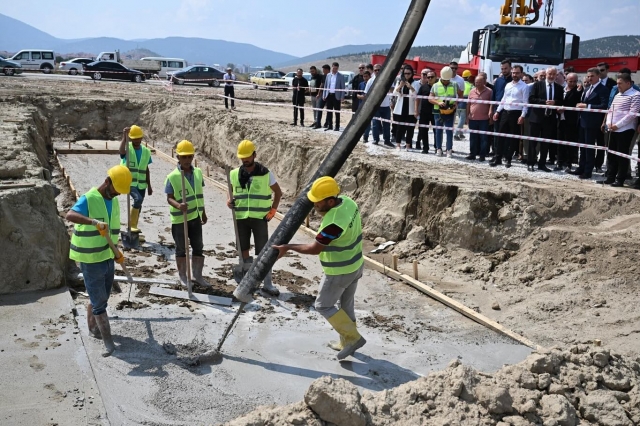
339	246
253	185
462	106
97	217
139	160
193	205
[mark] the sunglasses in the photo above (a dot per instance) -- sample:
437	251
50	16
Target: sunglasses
376	70
433	76
360	68
454	68
603	69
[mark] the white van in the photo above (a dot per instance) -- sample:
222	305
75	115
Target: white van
167	64
348	76
36	59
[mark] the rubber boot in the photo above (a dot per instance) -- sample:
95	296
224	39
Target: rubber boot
115	288
135	216
347	330
105	329
92	325
268	287
197	263
181	262
337	345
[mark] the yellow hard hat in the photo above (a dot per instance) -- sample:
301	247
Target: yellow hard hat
246	148
135	132
466	73
120	178
185	148
322	188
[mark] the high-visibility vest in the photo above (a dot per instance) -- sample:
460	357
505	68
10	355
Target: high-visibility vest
440	91
467	88
193	197
253	201
344	254
87	245
138	170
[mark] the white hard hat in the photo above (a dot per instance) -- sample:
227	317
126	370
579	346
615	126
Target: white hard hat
446	73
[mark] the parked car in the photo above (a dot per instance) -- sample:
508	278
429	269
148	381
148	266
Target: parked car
74	66
197	74
271	79
9	67
113	70
36	59
289	76
348	77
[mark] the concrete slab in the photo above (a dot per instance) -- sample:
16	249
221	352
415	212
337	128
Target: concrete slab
46	376
278	346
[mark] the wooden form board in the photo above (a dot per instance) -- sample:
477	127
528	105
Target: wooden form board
62	151
145	280
196	297
434	294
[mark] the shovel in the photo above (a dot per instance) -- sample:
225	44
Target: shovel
124	268
129	240
238	270
186	238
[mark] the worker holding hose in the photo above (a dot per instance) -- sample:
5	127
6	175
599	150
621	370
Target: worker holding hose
96	218
339	246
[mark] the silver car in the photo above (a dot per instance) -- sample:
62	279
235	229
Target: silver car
74	66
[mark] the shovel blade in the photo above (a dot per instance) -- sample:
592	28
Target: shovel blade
130	241
238	273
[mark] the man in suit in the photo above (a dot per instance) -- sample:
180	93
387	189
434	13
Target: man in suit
608	82
595	97
543	121
333	95
568	125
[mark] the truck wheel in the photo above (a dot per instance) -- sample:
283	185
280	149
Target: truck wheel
8	71
47	69
137	78
216	83
73	71
97	76
255	86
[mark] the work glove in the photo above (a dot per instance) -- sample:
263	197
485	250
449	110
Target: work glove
119	259
270	215
102	227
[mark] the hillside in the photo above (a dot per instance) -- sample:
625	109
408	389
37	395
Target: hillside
349	49
442	54
609	46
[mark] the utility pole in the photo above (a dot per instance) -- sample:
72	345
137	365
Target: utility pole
548	14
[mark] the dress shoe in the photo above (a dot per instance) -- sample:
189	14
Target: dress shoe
327	125
470	157
337	128
567	169
301	124
494	163
326	129
606	181
531	169
481	158
583	176
598	169
293	124
425	151
508	164
617	184
576	172
544	168
557	168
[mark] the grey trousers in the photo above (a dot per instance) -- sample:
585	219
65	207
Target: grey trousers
340	289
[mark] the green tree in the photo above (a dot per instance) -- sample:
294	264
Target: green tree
230	65
268	68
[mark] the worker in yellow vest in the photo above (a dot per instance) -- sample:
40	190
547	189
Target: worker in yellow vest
139	160
193	204
339	246
97	217
253	184
462	106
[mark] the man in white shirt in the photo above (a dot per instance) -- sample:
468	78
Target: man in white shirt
621	121
333	94
511	117
229	92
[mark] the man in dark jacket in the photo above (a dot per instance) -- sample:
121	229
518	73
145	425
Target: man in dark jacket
300	87
568	125
544	121
355	84
424	109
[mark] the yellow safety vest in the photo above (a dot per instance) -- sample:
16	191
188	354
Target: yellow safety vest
138	170
448	92
87	245
344	254
194	196
467	88
253	201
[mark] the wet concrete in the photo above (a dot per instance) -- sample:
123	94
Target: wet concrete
278	346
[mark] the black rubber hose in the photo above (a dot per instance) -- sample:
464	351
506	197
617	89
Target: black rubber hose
340	151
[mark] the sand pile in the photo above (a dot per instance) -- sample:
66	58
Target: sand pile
580	386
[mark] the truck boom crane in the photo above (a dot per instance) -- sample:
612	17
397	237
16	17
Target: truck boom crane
514	12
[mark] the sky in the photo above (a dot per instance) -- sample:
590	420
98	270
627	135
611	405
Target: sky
297	28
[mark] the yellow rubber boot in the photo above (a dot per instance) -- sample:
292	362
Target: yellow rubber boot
135	216
337	345
348	331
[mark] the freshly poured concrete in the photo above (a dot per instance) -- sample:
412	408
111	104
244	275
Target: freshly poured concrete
276	349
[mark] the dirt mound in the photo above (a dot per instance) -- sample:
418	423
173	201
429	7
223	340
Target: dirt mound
582	385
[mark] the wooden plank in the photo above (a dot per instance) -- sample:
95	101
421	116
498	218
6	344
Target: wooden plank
145	280
196	297
73	151
18	186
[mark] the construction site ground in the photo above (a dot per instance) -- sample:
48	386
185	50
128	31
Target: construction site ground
546	255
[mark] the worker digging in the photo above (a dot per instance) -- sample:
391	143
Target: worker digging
186	205
139	167
253	185
97	218
339	246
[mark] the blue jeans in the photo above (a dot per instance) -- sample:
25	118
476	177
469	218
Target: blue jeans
479	144
462	118
98	280
444	121
385	113
138	197
320	105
